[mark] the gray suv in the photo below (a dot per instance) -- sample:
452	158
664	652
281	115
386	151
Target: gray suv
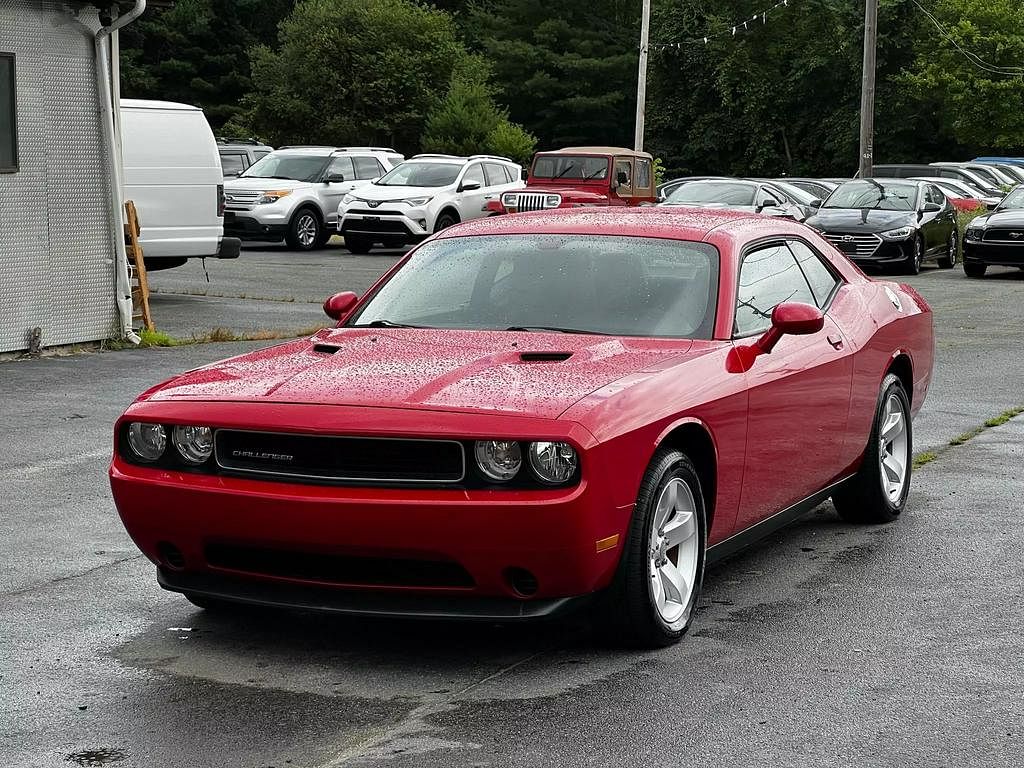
236	155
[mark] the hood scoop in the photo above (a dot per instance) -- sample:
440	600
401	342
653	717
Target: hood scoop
327	349
544	357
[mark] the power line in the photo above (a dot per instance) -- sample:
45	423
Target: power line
971	57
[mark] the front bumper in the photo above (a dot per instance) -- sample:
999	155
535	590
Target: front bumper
888	252
410	225
250	228
996	254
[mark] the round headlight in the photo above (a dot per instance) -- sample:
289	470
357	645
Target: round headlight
194	444
147	441
553	463
498	460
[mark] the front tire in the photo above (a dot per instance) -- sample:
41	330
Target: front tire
974	269
878	492
652	598
358	245
304	230
913	262
445	220
949	260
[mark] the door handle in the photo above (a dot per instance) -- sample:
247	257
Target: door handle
835	341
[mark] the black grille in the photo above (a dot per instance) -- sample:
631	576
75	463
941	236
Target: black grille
368	226
319	458
338	569
1005	235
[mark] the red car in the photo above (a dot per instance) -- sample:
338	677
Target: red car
531	411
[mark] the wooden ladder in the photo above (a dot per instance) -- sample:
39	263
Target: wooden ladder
140	281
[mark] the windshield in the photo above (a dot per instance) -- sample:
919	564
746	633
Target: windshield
569	167
888	196
413	174
295	167
722	192
1013	201
628	286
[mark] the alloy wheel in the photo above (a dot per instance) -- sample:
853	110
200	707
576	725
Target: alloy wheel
953	248
893	445
306	230
674	551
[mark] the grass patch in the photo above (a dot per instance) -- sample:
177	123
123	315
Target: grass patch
923	458
1004	417
213	336
927	457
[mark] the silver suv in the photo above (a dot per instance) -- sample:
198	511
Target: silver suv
293	193
236	155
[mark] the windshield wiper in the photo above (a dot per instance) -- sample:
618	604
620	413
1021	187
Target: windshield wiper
386	324
594	174
285	178
562	173
554	328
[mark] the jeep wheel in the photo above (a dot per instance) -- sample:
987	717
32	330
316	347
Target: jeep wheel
304	231
358	245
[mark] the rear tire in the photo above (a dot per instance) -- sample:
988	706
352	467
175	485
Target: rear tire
878	492
949	261
974	269
358	245
304	230
651	601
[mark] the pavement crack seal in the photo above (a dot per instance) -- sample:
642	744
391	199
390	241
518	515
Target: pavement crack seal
71	576
927	457
415	722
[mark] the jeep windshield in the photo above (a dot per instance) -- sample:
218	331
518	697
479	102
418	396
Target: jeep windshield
874	195
414	174
293	167
575	167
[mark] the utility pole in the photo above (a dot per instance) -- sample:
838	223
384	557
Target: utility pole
867	90
641	80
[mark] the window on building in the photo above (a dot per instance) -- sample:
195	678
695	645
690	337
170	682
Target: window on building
8	117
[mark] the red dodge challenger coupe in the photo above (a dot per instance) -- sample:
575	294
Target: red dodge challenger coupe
532	411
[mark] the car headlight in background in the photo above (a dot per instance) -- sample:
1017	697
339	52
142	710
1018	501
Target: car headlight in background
349	198
498	460
553	463
902	233
510	199
194	444
416	200
273	196
147	441
552	201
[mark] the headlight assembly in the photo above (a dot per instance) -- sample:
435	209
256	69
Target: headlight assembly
194	444
553	463
902	233
974	233
417	201
498	460
273	196
146	441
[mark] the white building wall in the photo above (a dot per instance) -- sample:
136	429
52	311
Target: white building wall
56	257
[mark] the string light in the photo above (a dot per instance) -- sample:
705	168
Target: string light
706	39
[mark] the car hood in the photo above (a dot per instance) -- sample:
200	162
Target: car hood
378	192
243	184
861	220
1012	218
511	372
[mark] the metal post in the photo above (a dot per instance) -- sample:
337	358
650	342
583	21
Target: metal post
641	80
867	90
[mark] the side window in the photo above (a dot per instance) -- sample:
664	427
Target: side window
764	194
495	174
821	279
367	167
475	172
769	276
233	163
624	170
937	196
259	154
342	165
8	115
643	174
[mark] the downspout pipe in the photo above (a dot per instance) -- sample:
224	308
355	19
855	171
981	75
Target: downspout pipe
101	40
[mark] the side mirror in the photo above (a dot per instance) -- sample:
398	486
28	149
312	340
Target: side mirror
991	206
767	203
815	203
931	208
334	178
470	186
792	319
340	304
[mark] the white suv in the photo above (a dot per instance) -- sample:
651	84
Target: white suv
292	194
422	196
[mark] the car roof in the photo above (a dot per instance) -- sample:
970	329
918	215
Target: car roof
676	223
595	151
163	105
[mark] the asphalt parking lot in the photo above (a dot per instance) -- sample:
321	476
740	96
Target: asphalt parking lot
827	644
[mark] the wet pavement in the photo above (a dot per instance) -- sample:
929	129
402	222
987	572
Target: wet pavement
827	644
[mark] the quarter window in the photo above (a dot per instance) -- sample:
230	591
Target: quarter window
768	277
8	115
820	278
496	174
367	167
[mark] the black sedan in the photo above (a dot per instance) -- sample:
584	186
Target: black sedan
890	222
998	237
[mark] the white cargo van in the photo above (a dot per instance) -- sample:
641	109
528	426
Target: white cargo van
173	173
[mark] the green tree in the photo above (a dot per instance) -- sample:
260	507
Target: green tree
567	71
197	52
976	69
354	72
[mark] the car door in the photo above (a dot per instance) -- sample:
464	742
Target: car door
331	192
471	201
932	223
799	394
